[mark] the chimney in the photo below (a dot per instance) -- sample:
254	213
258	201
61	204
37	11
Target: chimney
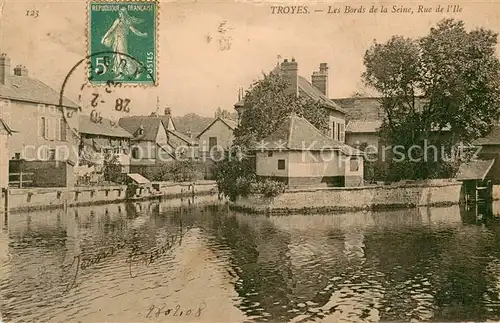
290	74
4	69
20	70
166	112
320	79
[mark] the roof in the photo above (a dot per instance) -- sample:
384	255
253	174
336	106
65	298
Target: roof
139	179
182	137
228	122
362	108
105	128
363	126
306	88
474	169
150	126
493	138
24	88
296	133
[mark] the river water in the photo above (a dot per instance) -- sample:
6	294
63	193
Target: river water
193	260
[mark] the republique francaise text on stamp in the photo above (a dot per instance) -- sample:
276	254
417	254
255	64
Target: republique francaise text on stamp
122	37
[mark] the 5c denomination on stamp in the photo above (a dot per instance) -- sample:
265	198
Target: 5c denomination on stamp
122	37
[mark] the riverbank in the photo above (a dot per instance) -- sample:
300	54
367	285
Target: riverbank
27	199
381	197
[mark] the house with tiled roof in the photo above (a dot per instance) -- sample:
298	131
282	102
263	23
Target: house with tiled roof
155	140
299	154
46	124
33	109
216	137
316	90
102	140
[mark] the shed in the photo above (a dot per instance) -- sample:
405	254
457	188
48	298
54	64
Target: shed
473	176
138	179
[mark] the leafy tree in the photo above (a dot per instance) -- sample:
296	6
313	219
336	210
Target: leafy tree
266	105
445	82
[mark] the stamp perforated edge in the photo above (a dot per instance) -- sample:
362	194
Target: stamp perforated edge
157	49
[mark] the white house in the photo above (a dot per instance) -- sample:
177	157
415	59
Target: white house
298	154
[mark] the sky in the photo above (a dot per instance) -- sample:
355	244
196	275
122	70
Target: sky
201	68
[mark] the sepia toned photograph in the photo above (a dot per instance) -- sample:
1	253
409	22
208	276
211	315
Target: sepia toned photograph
249	161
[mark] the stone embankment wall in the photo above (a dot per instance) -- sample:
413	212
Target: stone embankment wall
431	193
42	198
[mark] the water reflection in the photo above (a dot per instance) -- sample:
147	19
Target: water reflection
425	264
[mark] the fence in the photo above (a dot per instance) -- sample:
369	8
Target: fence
22	179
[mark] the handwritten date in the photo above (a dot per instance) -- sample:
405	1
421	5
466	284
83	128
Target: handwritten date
163	310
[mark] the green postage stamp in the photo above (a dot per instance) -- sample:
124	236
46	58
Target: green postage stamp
122	38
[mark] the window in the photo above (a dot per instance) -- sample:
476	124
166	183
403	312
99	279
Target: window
341	132
62	130
50	128
42	127
333	130
269	154
135	153
281	164
212	142
354	167
52	154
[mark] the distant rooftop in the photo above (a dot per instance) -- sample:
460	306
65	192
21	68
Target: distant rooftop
105	128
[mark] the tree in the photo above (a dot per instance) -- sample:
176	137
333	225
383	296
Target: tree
112	169
445	82
266	105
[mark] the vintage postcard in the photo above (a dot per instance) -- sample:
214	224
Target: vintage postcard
249	161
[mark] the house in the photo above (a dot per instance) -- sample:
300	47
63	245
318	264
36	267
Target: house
45	143
32	107
363	133
155	140
299	154
5	132
217	135
316	90
101	140
364	117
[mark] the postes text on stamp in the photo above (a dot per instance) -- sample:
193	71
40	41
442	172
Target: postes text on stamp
122	38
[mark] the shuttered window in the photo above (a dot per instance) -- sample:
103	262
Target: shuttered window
62	126
42	127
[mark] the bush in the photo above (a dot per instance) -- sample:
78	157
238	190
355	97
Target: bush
177	171
233	177
269	188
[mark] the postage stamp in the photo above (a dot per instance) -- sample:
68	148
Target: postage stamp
122	38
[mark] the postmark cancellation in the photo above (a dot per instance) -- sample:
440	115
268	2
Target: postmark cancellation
122	42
